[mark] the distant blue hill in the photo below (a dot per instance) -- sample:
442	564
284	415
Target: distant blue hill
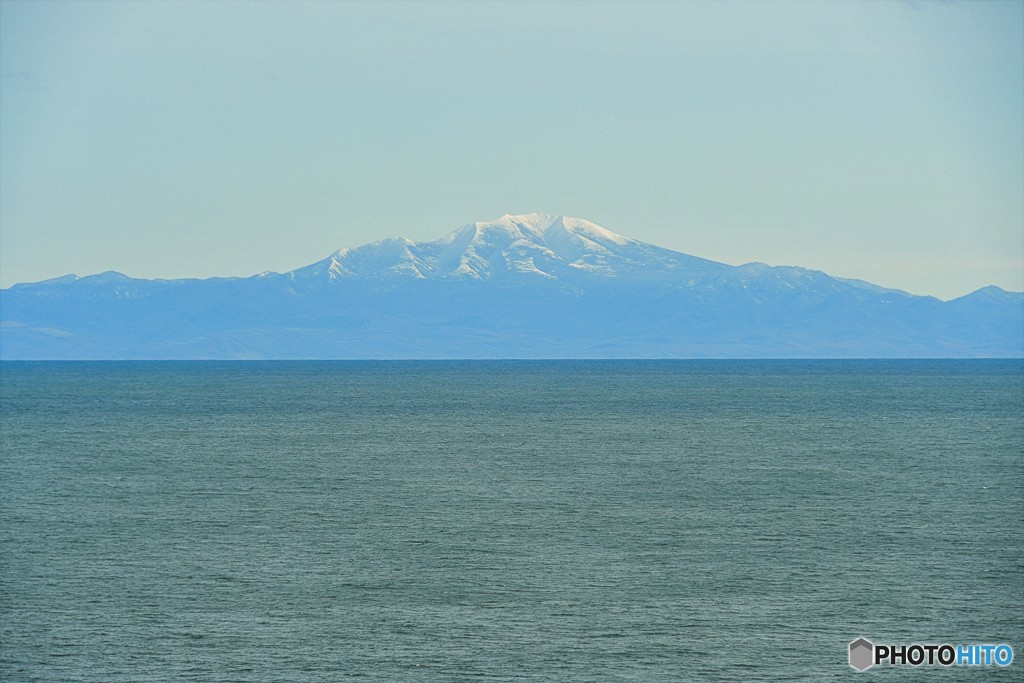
531	286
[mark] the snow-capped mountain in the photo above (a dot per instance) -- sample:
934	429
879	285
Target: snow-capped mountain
523	286
531	246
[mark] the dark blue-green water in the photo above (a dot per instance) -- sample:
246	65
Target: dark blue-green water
565	521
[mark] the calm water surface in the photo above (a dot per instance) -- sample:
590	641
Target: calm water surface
567	521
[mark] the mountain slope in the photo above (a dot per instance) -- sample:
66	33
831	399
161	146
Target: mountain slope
524	286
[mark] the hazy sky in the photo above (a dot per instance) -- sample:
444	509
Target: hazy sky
880	140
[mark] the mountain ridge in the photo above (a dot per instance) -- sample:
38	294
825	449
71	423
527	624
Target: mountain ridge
526	285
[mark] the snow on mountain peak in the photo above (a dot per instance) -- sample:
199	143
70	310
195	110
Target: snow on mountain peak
545	224
515	245
533	243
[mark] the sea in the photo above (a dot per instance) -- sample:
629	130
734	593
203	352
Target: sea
507	520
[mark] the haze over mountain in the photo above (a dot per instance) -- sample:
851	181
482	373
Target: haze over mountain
525	286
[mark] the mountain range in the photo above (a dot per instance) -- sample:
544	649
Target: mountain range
525	286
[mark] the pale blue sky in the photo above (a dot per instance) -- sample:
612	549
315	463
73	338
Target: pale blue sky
880	140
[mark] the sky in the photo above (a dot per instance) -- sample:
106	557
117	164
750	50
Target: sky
875	140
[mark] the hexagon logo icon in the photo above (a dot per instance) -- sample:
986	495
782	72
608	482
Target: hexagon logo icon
862	654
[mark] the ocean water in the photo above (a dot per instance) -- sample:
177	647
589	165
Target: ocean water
451	521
